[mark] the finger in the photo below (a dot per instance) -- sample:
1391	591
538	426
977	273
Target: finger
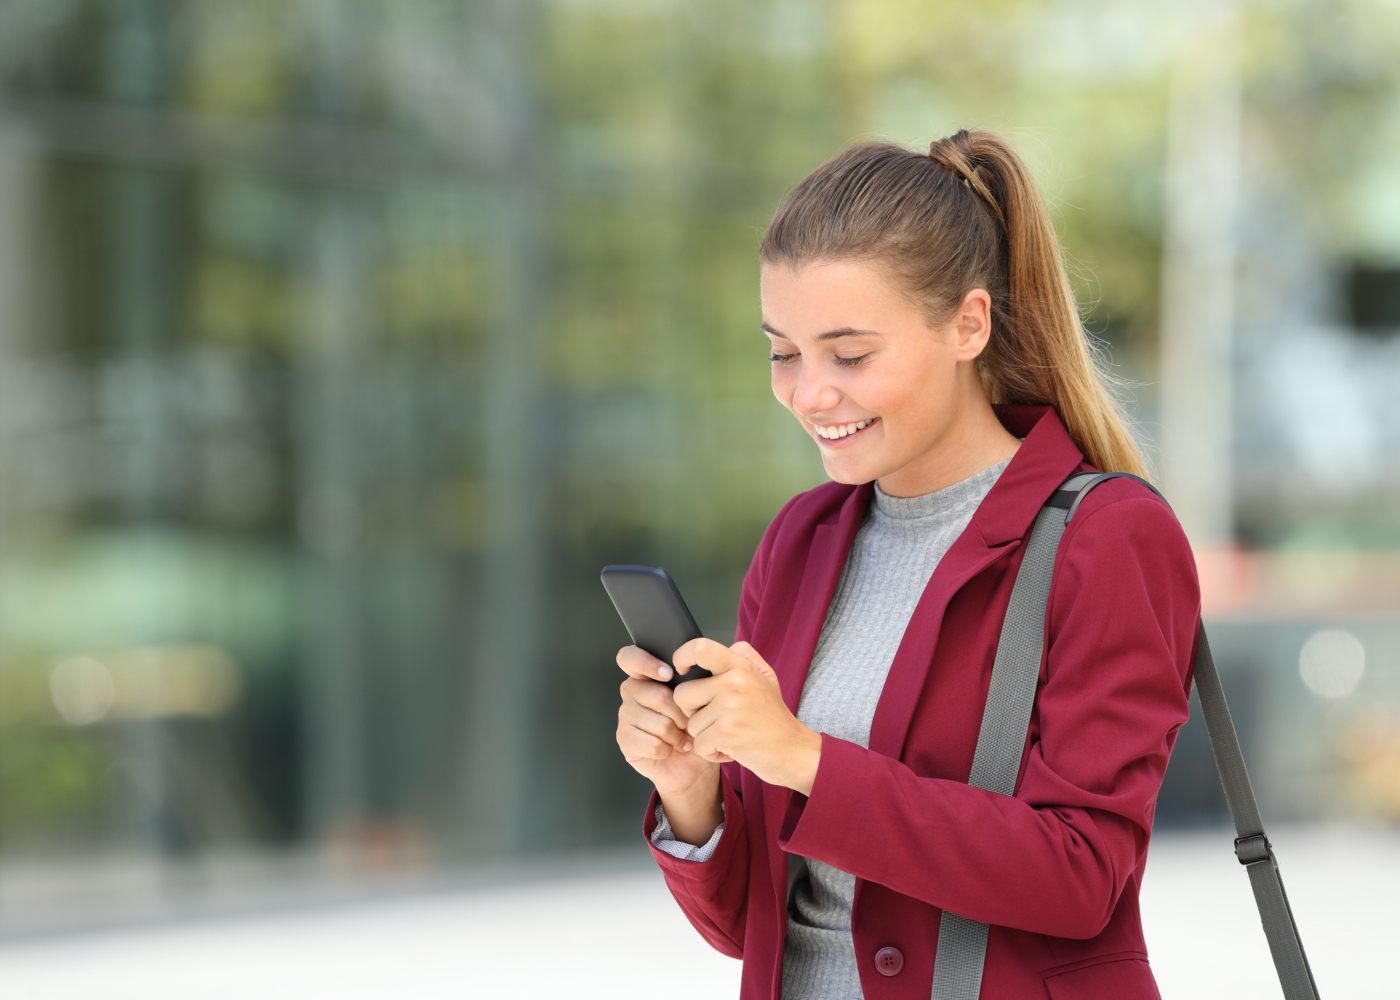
657	697
707	744
707	653
700	724
692	696
654	724
637	662
637	745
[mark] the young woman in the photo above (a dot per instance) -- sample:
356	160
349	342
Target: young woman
812	810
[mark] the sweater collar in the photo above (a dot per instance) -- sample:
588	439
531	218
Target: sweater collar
960	496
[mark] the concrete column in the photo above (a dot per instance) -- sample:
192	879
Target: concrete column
334	367
337	650
1198	276
19	181
19	184
134	385
501	791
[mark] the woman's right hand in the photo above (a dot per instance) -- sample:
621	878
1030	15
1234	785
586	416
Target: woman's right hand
651	734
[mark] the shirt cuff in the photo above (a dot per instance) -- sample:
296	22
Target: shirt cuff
664	840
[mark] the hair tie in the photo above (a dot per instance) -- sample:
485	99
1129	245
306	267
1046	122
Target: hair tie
963	170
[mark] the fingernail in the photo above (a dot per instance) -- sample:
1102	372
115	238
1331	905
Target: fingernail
665	673
688	746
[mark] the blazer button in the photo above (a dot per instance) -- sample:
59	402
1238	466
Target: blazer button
888	961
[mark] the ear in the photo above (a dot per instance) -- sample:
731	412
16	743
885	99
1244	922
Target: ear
972	324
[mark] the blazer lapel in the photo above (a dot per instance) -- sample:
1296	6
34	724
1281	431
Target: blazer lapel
967	557
827	553
1046	458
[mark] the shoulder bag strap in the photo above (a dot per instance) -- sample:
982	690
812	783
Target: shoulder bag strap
962	943
1252	847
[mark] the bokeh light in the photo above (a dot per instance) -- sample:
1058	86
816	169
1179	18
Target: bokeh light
1332	663
83	690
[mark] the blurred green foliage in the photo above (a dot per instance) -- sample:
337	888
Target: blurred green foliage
292	260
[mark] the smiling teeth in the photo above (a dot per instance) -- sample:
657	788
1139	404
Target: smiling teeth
835	431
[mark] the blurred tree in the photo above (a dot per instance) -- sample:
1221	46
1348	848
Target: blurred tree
361	334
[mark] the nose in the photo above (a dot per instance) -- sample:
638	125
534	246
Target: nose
815	391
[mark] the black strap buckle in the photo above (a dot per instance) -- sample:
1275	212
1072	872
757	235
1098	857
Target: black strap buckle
1253	849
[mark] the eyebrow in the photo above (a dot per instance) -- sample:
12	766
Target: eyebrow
845	331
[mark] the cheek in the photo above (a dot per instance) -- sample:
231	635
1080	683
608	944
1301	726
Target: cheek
914	394
784	382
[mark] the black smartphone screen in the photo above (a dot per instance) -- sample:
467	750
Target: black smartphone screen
650	605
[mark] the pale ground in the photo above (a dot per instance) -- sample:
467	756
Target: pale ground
618	935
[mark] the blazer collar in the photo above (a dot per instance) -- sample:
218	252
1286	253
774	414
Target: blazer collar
1045	459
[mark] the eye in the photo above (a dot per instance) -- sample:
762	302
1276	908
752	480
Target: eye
780	359
851	362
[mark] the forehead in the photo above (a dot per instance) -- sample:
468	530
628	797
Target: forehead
813	298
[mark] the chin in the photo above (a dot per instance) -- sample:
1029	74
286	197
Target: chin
850	473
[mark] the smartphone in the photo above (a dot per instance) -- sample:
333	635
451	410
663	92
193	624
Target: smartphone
651	606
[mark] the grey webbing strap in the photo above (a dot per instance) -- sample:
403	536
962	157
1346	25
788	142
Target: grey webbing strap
1252	846
962	943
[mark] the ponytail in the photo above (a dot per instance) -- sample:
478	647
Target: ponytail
966	216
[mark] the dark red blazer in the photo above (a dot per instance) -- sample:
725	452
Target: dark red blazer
1055	869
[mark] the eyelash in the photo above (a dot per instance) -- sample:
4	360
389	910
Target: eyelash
783	359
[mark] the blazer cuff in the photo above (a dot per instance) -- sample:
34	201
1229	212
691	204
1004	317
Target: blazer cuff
713	855
810	820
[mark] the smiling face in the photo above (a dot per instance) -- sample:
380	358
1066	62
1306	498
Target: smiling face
884	394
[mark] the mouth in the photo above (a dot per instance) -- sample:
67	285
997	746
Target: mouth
833	434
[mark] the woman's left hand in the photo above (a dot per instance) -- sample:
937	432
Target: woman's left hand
739	714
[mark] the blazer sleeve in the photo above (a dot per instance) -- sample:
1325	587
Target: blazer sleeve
1054	858
713	894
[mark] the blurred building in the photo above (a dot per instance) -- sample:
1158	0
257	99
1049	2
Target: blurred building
342	342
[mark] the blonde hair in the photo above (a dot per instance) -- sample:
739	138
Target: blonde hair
966	215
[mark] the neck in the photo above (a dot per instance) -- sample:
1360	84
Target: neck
973	441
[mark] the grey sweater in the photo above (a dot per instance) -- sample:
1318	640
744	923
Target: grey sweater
894	554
